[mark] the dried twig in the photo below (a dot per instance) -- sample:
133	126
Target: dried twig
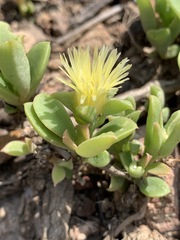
89	11
74	34
116	172
139	93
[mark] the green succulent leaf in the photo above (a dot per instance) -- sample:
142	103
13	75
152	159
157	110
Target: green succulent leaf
172	140
165	114
69	173
175	5
40	128
160	39
58	174
135	171
174	28
9	109
38	58
135	146
132	101
16	148
144	161
68	99
31	146
15	68
53	115
159	169
121	126
172	51
172	129
154	187
117	183
154	115
159	93
26	7
83	132
147	13
85	115
96	145
66	164
67	140
100	160
7	95
158	137
172	122
134	115
126	159
116	148
115	106
5	33
165	12
178	60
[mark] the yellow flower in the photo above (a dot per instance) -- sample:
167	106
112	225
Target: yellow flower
94	79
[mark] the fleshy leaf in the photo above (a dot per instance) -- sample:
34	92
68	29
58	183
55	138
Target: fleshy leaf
116	148
7	95
9	109
154	114
173	50
69	173
58	174
144	161
115	106
85	115
165	12
68	99
31	146
172	140
159	93
175	5
100	160
16	148
96	145
53	115
39	127
146	13
14	66
132	101
66	164
172	122
178	60
38	58
135	171
26	7
159	169
157	139
165	114
135	146
83	132
126	159
5	32
134	115
122	127
175	30
67	140
160	39
154	187
117	183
